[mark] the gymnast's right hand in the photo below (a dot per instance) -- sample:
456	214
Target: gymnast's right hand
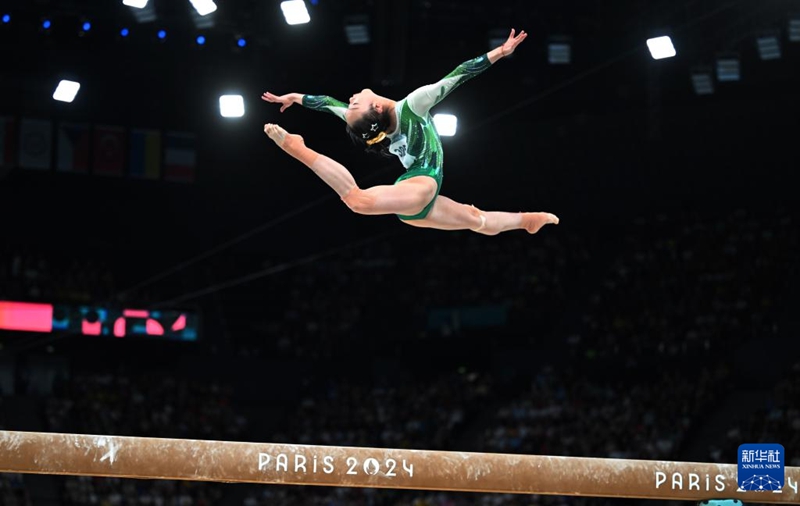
286	101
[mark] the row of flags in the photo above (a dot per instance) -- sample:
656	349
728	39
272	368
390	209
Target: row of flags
97	149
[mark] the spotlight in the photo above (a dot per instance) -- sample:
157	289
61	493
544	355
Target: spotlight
46	24
204	7
231	106
6	18
201	40
66	91
445	124
661	47
202	14
124	32
162	34
295	12
143	11
241	42
86	26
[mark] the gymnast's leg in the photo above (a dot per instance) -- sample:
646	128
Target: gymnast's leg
447	214
408	197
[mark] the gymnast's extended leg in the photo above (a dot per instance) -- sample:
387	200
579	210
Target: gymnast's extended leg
408	197
447	214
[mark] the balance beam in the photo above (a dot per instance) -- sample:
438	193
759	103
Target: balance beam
287	464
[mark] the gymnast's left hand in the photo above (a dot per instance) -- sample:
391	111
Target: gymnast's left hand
513	41
286	101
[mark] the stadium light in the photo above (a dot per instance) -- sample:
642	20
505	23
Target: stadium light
231	106
794	29
295	12
241	42
728	69
661	47
162	34
143	11
139	4
357	30
124	32
66	91
559	51
204	7
6	18
446	124
702	81
768	47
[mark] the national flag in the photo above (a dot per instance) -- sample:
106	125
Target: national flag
35	143
73	147
180	157
109	150
8	141
145	157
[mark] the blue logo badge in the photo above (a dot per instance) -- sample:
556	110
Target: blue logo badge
761	467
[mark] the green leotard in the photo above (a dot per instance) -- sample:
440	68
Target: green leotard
415	141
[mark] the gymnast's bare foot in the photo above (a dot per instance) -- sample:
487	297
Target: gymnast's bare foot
276	133
532	222
281	137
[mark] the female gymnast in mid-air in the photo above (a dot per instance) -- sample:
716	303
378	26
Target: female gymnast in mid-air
404	129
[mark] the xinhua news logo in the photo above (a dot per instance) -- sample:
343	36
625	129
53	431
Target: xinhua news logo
761	467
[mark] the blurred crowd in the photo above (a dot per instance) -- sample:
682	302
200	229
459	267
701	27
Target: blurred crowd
31	274
143	404
669	286
13	491
777	420
413	414
395	287
562	413
680	287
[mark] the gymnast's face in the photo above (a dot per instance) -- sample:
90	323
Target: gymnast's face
360	104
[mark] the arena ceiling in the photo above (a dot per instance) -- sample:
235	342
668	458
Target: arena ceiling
411	43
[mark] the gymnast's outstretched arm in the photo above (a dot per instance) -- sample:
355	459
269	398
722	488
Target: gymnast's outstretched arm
423	99
420	100
315	102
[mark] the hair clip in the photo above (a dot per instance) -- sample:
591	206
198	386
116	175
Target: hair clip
365	136
374	127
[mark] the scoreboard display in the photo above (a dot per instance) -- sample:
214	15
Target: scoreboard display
100	320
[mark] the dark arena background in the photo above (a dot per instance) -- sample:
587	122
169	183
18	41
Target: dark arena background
169	272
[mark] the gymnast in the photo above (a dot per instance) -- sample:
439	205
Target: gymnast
404	129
